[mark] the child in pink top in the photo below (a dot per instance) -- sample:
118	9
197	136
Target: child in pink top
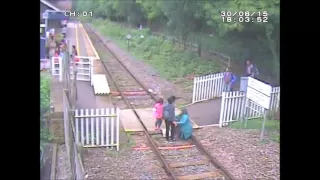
158	111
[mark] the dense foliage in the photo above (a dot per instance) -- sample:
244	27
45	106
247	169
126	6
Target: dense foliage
201	22
44	105
156	51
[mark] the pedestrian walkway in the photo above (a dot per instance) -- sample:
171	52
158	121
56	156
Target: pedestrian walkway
131	123
205	113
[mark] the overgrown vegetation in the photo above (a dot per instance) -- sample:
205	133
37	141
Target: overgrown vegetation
272	127
169	61
199	22
45	136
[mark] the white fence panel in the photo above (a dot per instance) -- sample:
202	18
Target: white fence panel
233	106
207	87
56	67
84	68
97	128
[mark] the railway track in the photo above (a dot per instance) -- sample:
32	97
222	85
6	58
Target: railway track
124	85
180	160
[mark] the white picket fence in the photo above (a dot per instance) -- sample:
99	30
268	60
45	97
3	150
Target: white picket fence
207	87
84	68
97	128
233	106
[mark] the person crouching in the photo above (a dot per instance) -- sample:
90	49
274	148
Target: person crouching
185	126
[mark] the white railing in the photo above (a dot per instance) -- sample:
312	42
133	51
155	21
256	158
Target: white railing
207	87
84	68
97	128
233	106
56	67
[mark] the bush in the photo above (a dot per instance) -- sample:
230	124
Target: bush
44	106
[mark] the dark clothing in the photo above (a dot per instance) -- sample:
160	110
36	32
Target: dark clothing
171	110
158	122
170	126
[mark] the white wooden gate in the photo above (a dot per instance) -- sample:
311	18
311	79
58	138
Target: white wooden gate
97	127
233	106
84	68
56	67
207	87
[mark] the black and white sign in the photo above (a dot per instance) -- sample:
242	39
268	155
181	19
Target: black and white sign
259	92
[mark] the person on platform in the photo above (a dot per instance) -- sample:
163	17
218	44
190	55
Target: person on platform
251	70
74	54
169	116
229	79
158	113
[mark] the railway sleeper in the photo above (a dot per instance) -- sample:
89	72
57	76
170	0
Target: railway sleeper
189	163
210	175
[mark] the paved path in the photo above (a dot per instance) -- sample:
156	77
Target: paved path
206	112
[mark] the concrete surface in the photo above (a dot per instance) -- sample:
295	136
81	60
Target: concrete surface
86	98
206	112
132	124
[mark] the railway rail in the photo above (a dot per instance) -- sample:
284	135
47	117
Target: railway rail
179	162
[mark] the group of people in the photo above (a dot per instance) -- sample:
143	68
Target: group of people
181	124
167	114
230	78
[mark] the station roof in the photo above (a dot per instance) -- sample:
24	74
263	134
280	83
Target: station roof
50	5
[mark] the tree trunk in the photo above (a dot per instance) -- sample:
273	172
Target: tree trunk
184	41
199	49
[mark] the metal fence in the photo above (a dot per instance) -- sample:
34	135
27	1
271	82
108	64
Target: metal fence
69	98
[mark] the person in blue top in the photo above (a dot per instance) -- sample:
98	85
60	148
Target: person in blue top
184	124
229	79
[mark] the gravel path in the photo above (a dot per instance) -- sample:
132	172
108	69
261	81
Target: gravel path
241	152
101	163
63	167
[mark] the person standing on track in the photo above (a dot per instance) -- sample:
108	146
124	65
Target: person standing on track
185	127
169	117
158	113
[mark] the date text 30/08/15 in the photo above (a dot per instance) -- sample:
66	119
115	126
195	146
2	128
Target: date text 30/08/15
244	16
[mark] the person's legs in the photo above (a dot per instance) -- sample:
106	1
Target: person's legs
172	130
158	123
167	129
226	87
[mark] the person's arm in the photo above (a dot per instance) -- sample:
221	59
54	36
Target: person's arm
233	79
183	119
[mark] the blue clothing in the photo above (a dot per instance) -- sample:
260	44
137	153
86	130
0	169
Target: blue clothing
185	127
228	86
171	109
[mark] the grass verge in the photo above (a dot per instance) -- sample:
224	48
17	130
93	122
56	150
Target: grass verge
166	58
272	127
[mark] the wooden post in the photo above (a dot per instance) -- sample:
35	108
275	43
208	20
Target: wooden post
263	123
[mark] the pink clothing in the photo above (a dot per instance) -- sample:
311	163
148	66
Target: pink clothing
158	110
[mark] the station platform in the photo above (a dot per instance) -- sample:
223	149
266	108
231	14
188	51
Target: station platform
131	123
205	113
99	80
86	98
